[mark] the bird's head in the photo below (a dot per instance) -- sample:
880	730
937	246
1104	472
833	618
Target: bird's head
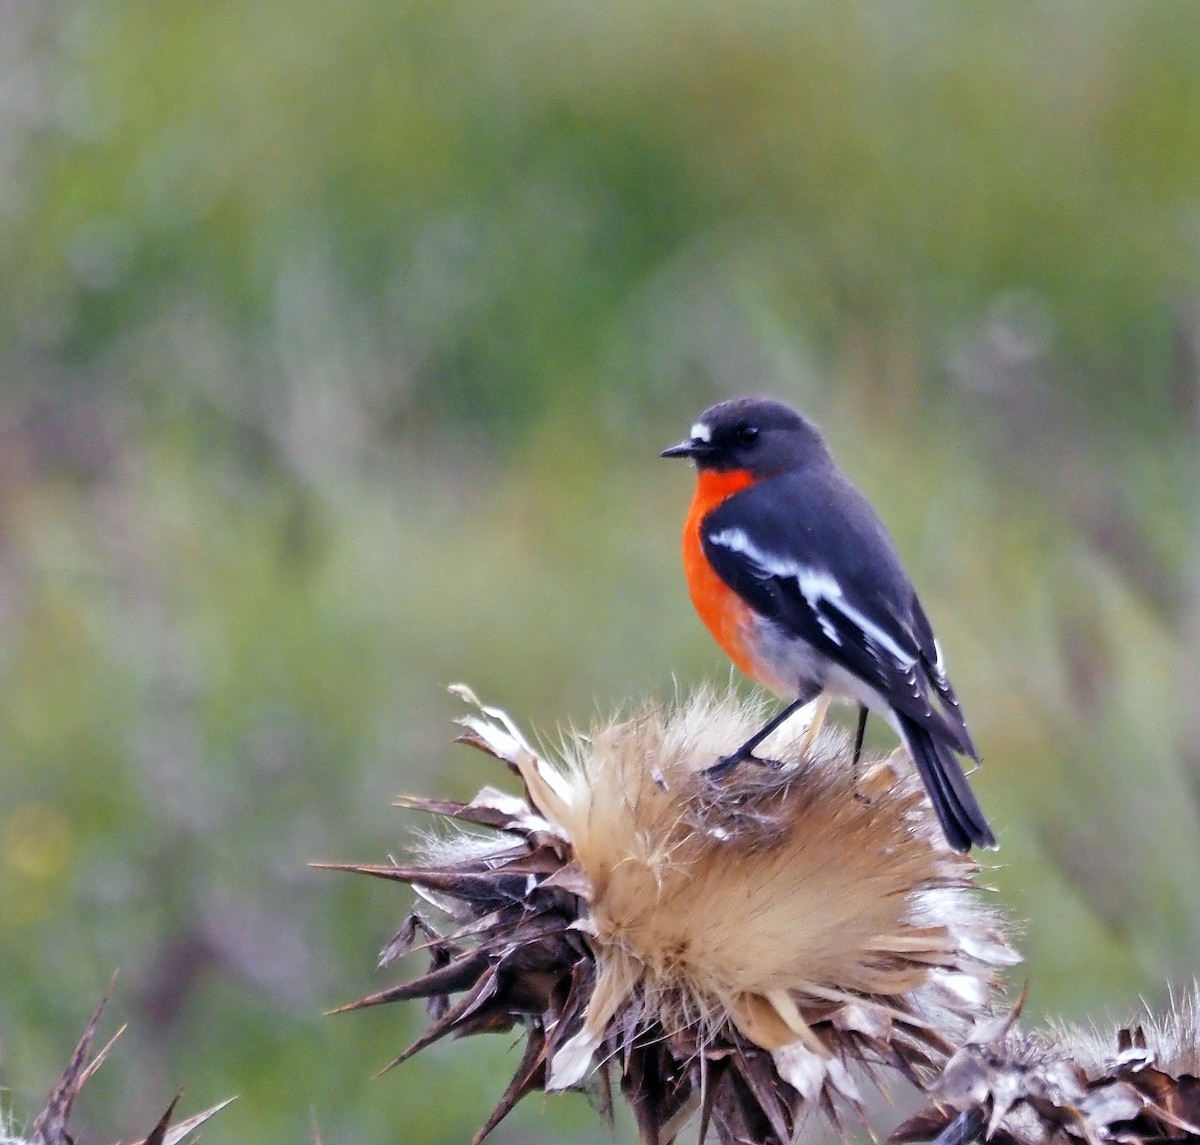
758	435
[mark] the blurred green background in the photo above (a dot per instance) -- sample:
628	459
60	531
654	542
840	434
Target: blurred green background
337	343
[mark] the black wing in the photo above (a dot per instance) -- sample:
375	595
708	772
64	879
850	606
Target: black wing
836	582
931	659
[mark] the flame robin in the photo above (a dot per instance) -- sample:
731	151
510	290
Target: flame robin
799	582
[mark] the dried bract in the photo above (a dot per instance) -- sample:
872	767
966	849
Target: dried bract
749	948
50	1126
1068	1085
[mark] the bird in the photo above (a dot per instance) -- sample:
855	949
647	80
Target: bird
801	585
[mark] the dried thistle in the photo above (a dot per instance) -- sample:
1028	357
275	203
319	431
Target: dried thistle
744	949
1068	1084
50	1125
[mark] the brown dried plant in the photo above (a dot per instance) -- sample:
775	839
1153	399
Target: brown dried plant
50	1126
1070	1084
749	949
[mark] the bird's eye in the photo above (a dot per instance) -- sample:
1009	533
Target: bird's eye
746	434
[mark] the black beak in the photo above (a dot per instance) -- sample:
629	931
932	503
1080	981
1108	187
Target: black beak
688	448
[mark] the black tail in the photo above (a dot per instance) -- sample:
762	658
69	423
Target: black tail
957	810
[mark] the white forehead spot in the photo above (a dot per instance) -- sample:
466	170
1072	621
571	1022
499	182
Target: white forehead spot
701	432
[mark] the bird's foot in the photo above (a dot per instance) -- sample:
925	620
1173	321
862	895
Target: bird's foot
723	766
727	763
773	764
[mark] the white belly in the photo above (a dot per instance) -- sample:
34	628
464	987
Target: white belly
790	667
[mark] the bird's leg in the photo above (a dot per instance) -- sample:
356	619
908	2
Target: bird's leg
859	732
858	735
745	753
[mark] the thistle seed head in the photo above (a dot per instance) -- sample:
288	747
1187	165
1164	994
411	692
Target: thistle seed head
749	948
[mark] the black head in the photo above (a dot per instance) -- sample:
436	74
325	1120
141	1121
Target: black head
757	434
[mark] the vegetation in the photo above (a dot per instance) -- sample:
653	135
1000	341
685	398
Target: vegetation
337	343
